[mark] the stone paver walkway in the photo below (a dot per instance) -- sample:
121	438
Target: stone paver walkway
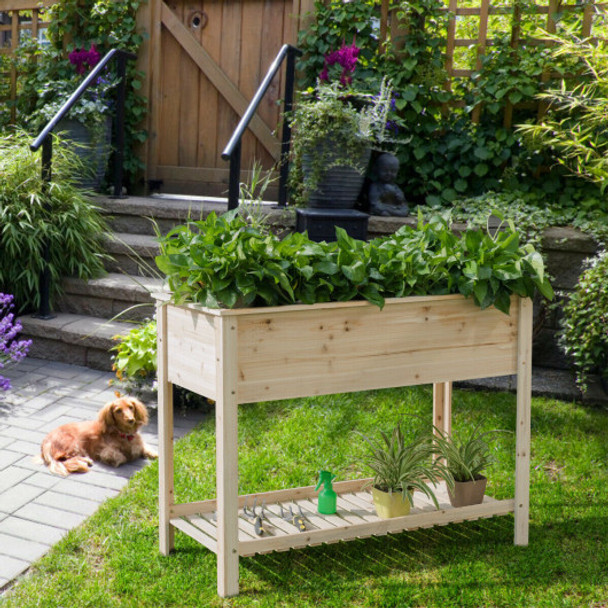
36	507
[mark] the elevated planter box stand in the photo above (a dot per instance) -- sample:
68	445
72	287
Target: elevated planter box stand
262	354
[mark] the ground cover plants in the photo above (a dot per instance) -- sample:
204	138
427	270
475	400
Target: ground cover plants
224	262
32	213
113	559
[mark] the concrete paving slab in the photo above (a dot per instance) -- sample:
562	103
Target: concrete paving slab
68	503
70	486
12	476
20	548
49	516
8	458
11	567
12	499
31	530
44	480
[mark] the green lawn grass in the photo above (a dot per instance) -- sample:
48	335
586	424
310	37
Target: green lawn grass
113	559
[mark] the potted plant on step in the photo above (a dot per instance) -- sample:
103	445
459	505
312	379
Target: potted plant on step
465	458
335	128
399	469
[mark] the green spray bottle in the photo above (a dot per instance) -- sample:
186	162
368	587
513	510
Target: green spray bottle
327	497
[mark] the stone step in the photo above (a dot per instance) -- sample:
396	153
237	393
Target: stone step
115	296
76	339
132	254
146	215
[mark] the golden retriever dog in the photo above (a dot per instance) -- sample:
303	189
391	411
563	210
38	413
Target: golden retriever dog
113	439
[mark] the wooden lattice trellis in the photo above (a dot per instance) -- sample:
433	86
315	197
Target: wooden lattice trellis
391	27
18	19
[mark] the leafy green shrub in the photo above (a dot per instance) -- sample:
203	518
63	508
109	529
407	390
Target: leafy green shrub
135	359
584	334
224	262
31	214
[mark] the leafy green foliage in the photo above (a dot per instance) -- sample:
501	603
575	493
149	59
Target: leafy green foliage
136	353
46	75
398	466
71	224
224	262
585	322
466	456
443	155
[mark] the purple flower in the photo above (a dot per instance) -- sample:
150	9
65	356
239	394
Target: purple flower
11	350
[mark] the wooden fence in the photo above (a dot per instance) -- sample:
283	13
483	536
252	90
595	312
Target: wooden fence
544	15
18	19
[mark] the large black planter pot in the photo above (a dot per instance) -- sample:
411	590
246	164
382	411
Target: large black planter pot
94	152
340	186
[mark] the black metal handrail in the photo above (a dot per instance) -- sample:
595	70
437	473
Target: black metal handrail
232	151
45	140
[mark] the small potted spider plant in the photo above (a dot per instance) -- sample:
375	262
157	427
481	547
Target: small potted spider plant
399	469
465	457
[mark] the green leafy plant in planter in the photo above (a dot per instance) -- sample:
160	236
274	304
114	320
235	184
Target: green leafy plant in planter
465	458
584	333
225	262
73	226
399	469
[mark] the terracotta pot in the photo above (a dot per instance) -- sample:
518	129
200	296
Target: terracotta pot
390	505
468	492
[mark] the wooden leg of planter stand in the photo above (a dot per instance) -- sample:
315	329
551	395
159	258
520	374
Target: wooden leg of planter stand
442	406
165	438
226	436
524	396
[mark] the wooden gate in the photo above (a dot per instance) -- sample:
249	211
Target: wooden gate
205	60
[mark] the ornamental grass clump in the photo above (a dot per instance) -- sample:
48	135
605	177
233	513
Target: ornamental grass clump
32	214
11	350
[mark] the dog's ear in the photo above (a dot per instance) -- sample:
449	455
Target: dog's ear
141	413
106	416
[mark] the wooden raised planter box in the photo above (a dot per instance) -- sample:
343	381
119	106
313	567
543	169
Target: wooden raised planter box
262	354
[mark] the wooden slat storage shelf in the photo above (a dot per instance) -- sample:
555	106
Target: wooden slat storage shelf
355	517
261	354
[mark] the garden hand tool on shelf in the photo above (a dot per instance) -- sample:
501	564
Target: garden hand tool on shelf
297	520
261	529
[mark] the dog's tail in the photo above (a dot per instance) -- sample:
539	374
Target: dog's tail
60	465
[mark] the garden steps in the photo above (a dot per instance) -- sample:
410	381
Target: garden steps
71	338
131	254
141	214
114	295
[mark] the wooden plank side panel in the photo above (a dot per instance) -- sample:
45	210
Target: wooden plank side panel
191	351
307	353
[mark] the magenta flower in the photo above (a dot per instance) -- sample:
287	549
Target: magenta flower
84	60
346	57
